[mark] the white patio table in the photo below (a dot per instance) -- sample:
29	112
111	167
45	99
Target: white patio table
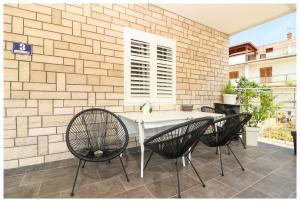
137	122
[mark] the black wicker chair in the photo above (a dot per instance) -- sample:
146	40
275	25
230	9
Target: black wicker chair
222	131
230	112
176	141
211	110
96	135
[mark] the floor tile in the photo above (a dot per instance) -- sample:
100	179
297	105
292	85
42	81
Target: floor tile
213	189
205	157
238	179
167	187
55	164
17	171
12	181
150	174
251	193
85	176
268	146
206	171
282	155
170	166
139	192
276	186
288	171
270	173
103	189
254	153
108	170
28	191
263	165
230	162
52	195
45	175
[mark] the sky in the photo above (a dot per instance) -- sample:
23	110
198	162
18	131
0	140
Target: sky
270	32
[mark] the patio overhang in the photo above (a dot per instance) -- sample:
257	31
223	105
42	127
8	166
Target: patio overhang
230	18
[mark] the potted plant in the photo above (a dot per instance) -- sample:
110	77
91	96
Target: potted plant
259	101
229	96
146	108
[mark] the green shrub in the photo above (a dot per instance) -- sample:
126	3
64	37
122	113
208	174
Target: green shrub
256	99
229	88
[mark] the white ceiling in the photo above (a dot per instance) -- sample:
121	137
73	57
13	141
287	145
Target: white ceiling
230	18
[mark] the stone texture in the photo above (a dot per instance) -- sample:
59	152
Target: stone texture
78	48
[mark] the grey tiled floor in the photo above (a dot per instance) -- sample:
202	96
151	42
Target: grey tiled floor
270	172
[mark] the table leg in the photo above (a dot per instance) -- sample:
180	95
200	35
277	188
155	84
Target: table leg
216	129
190	155
141	139
183	161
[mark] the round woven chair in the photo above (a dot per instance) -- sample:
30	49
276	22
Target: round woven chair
179	141
211	110
218	135
96	135
226	113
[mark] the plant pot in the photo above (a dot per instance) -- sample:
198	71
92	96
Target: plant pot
251	136
229	98
187	107
146	109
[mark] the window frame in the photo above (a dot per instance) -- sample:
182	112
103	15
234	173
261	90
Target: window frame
262	56
269	50
264	72
235	73
154	40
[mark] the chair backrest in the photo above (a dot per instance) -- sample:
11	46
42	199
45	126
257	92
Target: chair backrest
211	110
96	130
175	141
228	127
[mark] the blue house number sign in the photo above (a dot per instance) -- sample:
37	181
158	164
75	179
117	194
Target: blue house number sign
22	48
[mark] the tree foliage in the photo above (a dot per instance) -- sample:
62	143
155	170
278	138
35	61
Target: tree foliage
256	99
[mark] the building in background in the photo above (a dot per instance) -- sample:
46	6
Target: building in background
273	65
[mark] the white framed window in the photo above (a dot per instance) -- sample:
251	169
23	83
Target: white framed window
149	68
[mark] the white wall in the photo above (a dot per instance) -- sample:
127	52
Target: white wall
237	59
279	68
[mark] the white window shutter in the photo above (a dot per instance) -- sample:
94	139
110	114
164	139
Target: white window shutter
149	68
139	69
164	72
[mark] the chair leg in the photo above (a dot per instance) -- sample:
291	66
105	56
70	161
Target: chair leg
195	171
124	169
125	154
178	183
148	160
83	164
235	158
220	155
243	143
72	193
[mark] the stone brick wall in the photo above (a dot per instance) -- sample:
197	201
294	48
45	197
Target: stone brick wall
77	63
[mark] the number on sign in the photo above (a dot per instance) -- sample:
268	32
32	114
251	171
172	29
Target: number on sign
22	47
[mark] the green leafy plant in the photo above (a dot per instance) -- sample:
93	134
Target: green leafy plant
290	82
256	99
280	131
142	106
229	88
